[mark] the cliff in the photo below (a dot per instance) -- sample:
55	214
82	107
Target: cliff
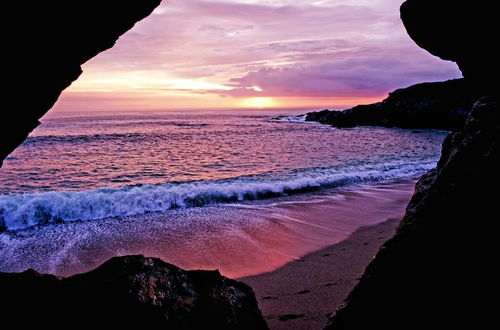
439	105
45	45
129	292
436	271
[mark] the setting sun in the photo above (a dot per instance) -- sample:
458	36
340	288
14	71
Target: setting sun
233	59
258	102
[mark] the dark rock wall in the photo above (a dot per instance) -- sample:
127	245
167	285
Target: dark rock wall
44	46
436	273
461	31
131	292
438	105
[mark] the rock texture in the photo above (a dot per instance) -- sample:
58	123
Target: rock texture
45	45
129	292
437	270
438	105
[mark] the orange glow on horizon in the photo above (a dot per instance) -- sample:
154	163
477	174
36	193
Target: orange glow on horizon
116	101
234	54
258	102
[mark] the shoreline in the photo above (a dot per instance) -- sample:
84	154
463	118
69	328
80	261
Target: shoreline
304	293
241	239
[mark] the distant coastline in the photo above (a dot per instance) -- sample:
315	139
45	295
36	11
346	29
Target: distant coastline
437	105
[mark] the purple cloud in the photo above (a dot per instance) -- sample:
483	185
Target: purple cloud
368	76
284	47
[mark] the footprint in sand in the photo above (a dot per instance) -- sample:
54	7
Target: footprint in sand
287	317
330	284
303	292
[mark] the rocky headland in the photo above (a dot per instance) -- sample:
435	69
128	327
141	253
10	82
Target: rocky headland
438	105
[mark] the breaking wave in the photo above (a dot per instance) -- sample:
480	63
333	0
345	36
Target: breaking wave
290	119
19	211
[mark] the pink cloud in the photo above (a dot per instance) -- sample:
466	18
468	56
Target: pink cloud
355	76
286	47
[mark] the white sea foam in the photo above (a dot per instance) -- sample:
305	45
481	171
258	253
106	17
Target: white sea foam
291	119
25	210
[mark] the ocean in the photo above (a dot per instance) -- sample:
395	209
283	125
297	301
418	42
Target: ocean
194	186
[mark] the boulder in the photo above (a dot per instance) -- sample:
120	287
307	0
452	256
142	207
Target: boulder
130	292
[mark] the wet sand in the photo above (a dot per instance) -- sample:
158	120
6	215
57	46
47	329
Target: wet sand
238	239
305	292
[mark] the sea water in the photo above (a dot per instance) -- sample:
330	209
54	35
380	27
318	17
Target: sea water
79	170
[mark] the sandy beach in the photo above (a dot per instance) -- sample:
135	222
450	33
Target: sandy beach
304	293
301	254
239	239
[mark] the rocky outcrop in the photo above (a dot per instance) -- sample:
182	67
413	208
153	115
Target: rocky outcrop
129	292
45	45
437	270
438	105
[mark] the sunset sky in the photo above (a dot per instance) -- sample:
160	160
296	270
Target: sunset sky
193	54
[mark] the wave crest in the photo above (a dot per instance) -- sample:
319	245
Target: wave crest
19	211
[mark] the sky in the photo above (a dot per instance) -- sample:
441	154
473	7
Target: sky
196	54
